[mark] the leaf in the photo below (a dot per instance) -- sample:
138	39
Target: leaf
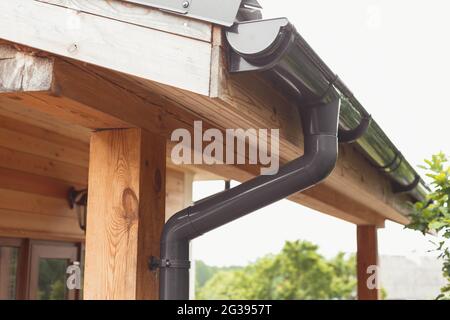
436	225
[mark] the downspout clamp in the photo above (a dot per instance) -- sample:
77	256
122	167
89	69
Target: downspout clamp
320	125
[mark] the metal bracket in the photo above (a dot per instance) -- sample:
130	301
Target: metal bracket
349	136
155	263
177	6
393	165
399	188
222	12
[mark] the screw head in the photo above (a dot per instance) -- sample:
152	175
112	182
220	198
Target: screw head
186	4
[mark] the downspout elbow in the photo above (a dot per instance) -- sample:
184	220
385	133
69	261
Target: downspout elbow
325	159
177	231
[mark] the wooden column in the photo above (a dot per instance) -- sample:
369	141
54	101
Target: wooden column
367	262
126	212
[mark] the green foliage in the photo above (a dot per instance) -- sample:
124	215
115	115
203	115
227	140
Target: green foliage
299	272
433	214
203	272
52	279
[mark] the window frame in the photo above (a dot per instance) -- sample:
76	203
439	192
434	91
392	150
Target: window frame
28	262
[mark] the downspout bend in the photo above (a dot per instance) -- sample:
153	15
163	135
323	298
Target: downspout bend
320	126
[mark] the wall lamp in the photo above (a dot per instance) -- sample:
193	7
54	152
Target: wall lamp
78	201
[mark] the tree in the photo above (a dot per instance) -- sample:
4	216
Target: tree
299	272
433	214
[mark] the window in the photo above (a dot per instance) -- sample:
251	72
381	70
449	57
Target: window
36	270
8	272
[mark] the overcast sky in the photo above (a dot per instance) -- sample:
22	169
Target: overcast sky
395	57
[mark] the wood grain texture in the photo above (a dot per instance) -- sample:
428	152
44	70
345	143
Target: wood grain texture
178	191
23	72
35	184
31	225
14	107
37	146
27	128
367	256
126	214
144	52
141	16
34	203
38	165
37	169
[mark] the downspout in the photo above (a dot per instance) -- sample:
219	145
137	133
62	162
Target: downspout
320	125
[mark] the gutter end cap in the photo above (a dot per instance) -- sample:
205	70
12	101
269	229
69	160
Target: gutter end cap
253	37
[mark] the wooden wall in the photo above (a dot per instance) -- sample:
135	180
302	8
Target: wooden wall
37	168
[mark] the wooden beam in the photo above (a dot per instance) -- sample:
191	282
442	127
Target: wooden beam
95	98
42	166
23	72
30	116
18	141
20	125
178	191
125	214
141	16
33	203
133	49
19	224
367	263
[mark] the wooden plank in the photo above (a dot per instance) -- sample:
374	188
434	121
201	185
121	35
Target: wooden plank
24	224
37	165
13	107
126	214
367	262
141	16
36	184
33	203
178	191
23	72
42	133
174	192
164	57
37	146
86	98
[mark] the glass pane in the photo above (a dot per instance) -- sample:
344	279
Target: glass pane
52	279
8	272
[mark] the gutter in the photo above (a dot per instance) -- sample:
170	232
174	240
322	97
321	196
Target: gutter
275	49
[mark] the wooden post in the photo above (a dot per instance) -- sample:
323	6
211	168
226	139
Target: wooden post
125	214
367	263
